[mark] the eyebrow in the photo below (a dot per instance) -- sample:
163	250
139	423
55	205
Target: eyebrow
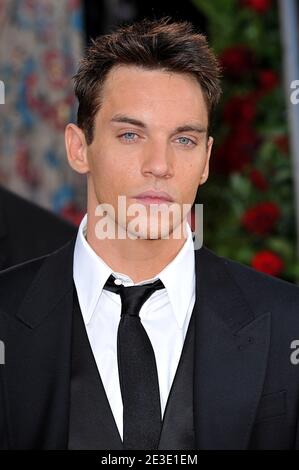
122	118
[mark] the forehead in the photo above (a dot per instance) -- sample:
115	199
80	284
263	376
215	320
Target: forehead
155	94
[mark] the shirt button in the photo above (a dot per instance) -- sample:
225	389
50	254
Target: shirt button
118	282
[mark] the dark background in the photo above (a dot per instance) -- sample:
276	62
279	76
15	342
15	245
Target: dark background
101	16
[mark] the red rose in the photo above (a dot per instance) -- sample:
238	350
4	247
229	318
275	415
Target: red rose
267	80
240	109
228	158
258	180
237	61
237	150
260	6
267	262
261	218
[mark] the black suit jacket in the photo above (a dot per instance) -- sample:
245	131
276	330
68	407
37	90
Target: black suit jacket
28	231
246	390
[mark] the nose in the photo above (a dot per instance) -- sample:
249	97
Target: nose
158	160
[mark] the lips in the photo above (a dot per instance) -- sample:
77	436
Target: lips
154	197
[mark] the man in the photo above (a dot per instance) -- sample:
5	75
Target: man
28	231
137	340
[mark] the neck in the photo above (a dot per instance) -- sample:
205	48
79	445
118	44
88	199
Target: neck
140	259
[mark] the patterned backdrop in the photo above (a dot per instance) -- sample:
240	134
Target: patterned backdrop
41	42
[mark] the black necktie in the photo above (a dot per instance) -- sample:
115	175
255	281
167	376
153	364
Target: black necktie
137	369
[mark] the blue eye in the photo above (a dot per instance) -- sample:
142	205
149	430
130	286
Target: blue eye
128	136
185	141
132	137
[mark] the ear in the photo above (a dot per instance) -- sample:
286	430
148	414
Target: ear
76	148
205	173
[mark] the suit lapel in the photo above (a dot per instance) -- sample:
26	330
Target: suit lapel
231	347
38	351
92	424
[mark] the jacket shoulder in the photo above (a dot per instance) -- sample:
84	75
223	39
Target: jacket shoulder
41	281
15	281
263	290
32	213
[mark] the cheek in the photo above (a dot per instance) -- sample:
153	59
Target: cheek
188	180
116	180
190	173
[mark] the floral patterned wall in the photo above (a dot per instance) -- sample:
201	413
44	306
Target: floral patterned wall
41	42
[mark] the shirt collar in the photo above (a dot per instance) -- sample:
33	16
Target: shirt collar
91	273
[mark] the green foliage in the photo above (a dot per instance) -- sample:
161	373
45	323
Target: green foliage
229	194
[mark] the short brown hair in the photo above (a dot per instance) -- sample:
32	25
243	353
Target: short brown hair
151	44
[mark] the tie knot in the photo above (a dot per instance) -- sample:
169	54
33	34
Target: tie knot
133	297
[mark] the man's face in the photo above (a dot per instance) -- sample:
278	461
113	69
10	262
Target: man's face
138	145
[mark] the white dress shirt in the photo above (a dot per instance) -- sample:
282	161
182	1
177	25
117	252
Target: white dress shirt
165	315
